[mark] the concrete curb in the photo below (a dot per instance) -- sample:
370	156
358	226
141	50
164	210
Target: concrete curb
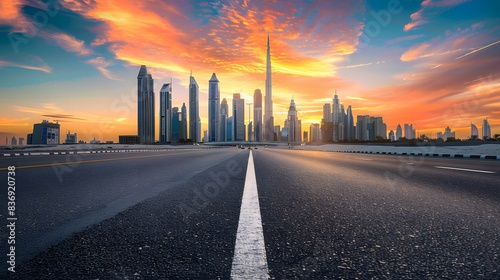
422	154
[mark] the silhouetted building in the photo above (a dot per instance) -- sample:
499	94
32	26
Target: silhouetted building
399	132
194	111
183	130
327	112
268	114
486	129
224	113
257	115
392	136
13	141
213	109
21	141
166	114
46	133
474	133
447	134
71	138
146	106
238	117
175	125
292	124
315	132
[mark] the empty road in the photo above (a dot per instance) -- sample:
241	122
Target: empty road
249	214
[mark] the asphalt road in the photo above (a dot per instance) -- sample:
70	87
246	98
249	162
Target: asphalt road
175	214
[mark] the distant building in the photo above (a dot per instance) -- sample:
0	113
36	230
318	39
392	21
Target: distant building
213	109
447	134
94	141
29	139
194	111
327	112
305	137
146	106
71	138
183	130
257	115
392	136
205	136
249	131
46	133
409	131
292	124
224	112
399	132
13	141
166	114
474	133
129	139
315	132
486	129
350	128
277	133
229	129
175	125
238	117
21	141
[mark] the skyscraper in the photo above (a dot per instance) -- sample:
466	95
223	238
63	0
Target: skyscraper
213	109
238	118
486	129
194	111
145	106
175	125
166	114
183	122
336	118
224	112
399	132
257	115
350	132
315	132
327	112
292	124
268	114
409	131
474	133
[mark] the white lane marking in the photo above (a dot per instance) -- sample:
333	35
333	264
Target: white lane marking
464	169
250	261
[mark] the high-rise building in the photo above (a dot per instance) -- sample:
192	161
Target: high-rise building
229	129
399	132
409	131
314	132
13	141
146	106
362	128
238	118
447	134
183	122
336	118
350	132
268	114
379	128
474	133
21	141
327	112
292	124
305	137
213	109
224	112
257	115
249	131
486	129
277	133
45	133
166	114
175	126
194	111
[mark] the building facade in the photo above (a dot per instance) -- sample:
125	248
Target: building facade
213	109
166	114
194	111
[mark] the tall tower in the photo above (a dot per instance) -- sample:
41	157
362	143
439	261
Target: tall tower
268	114
292	123
257	115
213	109
336	118
238	118
224	111
194	110
166	113
145	106
183	122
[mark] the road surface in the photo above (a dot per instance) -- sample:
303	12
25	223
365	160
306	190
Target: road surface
195	214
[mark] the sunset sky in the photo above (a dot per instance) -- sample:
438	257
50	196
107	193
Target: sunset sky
433	63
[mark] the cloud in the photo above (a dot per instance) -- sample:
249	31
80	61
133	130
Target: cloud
428	9
404	38
101	64
43	67
63	116
67	42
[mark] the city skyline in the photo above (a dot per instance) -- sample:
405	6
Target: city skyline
427	63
